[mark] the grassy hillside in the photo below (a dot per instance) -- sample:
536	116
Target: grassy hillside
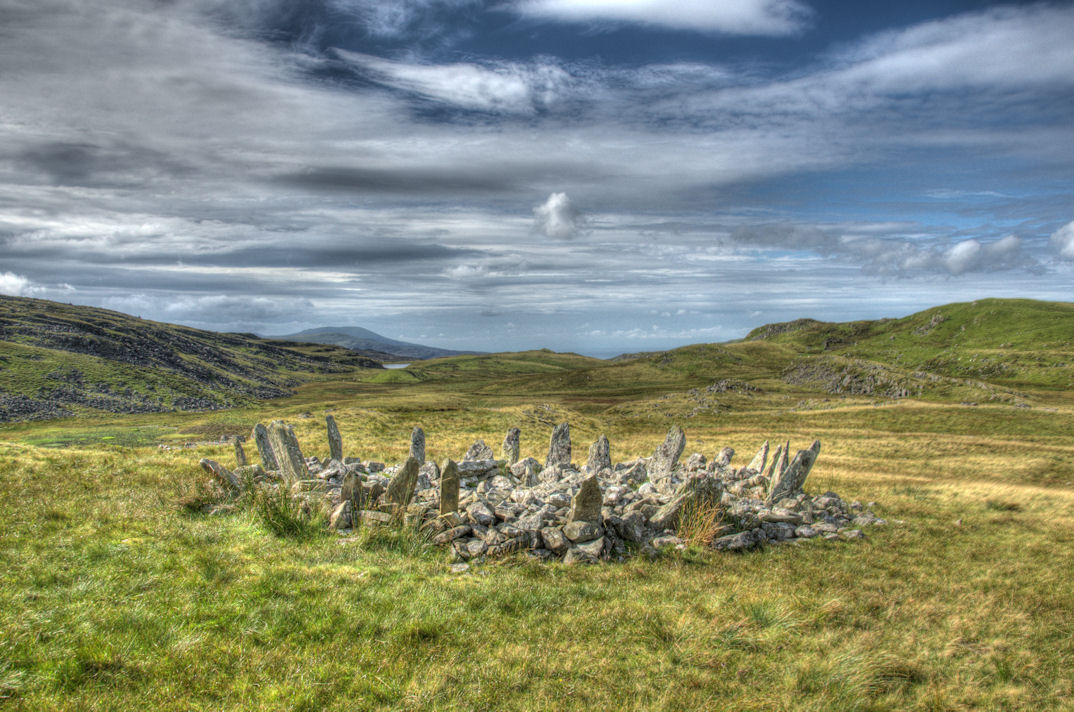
58	359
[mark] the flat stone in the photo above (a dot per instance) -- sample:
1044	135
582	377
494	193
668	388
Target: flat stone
805	532
579	532
852	534
452	534
559	447
591	548
662	542
480	513
459	568
554	540
741	541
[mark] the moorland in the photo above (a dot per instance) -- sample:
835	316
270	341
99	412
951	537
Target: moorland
958	422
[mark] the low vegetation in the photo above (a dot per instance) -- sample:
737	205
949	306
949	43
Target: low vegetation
120	590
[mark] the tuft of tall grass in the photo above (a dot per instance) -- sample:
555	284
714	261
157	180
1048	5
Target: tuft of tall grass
273	507
699	521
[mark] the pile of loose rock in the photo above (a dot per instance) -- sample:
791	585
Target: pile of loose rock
482	506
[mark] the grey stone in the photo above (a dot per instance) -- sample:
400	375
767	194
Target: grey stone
511	447
417	445
401	487
852	534
724	458
696	462
805	532
288	454
741	541
223	475
760	459
631	527
264	447
600	457
662	542
586	503
240	454
479	451
480	513
452	534
698	491
459	568
579	532
526	471
575	555
352	491
559	447
667	454
335	441
476	547
449	487
341	516
554	540
791	480
591	549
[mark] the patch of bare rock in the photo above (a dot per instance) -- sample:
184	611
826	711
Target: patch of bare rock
482	507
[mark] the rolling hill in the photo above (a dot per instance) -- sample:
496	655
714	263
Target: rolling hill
371	344
59	359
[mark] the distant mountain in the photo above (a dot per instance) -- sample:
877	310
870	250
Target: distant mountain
60	359
368	343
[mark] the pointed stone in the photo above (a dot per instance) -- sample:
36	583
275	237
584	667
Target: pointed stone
774	465
449	487
586	503
417	445
511	451
288	454
723	460
222	474
240	454
791	480
559	447
760	459
264	448
600	456
335	441
479	451
401	487
667	455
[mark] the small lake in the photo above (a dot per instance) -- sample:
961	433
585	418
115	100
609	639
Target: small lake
396	365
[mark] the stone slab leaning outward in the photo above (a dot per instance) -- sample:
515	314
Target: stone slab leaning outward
600	456
401	487
559	447
511	451
775	466
222	474
790	481
449	487
585	505
288	454
760	459
335	441
667	454
264	447
240	454
417	445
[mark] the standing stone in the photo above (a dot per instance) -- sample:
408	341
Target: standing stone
449	487
723	460
600	456
479	451
760	459
240	454
790	481
335	442
511	451
559	447
264	447
287	452
352	491
222	474
586	503
667	454
401	487
417	445
774	467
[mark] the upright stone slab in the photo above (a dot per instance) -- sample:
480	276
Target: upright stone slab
774	467
760	459
479	451
240	454
287	452
264	448
600	456
401	487
335	441
511	451
449	487
667	455
417	445
586	503
559	447
352	491
791	480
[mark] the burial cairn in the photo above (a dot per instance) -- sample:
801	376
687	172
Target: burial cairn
484	507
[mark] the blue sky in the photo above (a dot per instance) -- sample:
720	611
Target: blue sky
591	175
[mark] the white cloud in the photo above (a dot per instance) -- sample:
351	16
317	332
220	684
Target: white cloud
739	17
14	285
558	218
1063	241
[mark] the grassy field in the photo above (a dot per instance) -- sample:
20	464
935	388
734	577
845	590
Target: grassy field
115	597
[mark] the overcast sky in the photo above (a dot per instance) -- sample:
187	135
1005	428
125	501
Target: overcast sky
591	175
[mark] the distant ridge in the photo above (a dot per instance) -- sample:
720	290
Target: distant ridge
368	343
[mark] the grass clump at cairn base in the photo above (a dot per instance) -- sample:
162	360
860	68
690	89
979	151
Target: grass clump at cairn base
699	522
277	511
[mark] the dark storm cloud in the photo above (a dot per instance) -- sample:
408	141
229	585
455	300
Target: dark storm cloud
403	181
